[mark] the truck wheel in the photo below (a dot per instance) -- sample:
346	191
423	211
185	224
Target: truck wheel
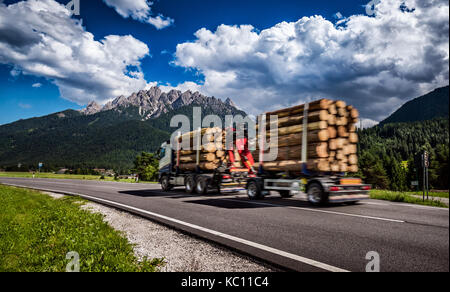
316	195
254	191
165	184
190	185
286	194
202	185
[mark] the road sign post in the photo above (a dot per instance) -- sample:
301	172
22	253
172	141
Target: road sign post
425	165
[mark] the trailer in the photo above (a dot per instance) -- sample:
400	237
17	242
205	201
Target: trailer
289	177
320	189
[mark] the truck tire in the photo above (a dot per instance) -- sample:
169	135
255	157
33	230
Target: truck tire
254	191
165	184
190	185
316	195
286	194
202	185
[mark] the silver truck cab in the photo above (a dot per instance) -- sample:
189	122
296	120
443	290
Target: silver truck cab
165	158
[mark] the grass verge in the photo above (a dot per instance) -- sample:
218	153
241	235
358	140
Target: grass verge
65	176
404	197
37	232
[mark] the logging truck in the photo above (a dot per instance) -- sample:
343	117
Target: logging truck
205	168
316	146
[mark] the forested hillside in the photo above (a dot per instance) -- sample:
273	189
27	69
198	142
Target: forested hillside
107	139
384	151
432	105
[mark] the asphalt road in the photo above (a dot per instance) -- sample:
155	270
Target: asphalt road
285	232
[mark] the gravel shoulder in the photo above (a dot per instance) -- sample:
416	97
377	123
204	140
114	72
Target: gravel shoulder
182	253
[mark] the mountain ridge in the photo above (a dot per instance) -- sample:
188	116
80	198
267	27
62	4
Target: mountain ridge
434	104
153	103
108	136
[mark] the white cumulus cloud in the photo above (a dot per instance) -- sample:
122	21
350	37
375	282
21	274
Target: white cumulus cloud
375	63
40	38
140	10
36	85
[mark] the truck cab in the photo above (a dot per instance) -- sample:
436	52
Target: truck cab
165	158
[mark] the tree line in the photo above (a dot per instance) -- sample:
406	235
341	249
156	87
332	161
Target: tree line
390	155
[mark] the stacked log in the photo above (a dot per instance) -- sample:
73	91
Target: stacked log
212	153
331	138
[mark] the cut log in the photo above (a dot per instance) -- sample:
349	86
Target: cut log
353	159
351	149
296	139
332	144
319	150
340	104
203	131
317	116
299	128
204	166
332	109
208	157
331	120
340	143
353	138
354	114
341	121
342	132
335	167
353	168
322	104
342	112
332	133
351	128
220	153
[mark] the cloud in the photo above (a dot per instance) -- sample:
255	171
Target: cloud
366	123
25	106
139	10
36	85
373	62
15	72
40	38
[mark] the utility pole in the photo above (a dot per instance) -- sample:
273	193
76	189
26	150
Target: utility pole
425	165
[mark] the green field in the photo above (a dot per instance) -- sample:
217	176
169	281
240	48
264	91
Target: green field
37	232
408	197
65	176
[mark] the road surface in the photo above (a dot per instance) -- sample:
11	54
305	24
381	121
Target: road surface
285	232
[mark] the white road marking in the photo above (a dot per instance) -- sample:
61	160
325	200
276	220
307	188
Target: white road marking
322	211
408	205
295	257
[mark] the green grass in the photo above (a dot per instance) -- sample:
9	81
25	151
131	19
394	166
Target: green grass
405	197
37	232
431	194
65	176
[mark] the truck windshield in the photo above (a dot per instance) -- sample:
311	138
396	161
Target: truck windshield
162	153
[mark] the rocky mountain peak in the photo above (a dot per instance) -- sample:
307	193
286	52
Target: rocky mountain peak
230	103
153	102
91	108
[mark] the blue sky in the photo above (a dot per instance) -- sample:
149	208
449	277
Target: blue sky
167	65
